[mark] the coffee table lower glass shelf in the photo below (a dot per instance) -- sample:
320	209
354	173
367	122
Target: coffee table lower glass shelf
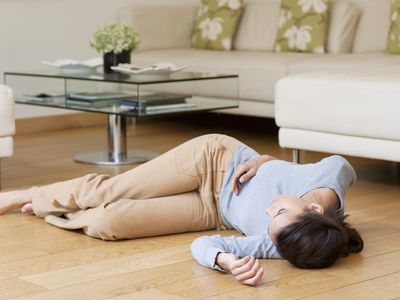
194	87
117	153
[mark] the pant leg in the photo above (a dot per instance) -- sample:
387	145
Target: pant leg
127	219
198	164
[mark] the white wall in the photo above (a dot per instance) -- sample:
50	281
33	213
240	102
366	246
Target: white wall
35	30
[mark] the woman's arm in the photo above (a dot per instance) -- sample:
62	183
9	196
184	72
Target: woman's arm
224	253
247	170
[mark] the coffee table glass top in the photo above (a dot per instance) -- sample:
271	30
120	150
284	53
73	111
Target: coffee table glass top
124	78
197	91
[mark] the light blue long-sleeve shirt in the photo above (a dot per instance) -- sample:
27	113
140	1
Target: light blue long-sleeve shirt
246	212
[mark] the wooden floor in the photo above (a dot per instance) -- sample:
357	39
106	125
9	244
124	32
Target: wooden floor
38	261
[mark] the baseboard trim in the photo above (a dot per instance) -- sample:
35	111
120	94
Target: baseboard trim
59	122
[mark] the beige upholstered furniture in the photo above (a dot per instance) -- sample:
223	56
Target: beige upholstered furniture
166	36
350	107
7	123
352	113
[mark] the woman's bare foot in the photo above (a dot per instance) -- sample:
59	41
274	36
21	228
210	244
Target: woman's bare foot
27	209
13	200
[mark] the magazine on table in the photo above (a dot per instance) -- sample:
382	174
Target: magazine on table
43	97
171	107
156	102
97	103
99	96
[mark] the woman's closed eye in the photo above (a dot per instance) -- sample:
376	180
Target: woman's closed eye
279	212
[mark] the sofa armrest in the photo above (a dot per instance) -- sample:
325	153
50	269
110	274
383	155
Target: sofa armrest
161	26
7	121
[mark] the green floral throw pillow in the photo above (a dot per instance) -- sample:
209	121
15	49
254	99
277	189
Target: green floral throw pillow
302	26
216	24
393	42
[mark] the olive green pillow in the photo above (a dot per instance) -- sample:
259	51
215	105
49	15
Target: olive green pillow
393	42
302	26
216	24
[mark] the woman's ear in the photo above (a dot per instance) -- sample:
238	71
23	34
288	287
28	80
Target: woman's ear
315	208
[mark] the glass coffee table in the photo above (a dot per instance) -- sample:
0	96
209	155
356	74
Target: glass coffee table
120	96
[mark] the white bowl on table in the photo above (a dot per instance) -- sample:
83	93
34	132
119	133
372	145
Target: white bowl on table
156	71
72	67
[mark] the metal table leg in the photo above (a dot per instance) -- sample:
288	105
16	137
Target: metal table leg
117	153
296	156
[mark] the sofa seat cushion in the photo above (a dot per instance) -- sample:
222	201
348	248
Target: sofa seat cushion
373	28
7	123
339	144
344	62
6	146
258	70
354	103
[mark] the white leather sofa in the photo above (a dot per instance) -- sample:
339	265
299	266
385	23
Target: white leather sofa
348	106
356	41
7	123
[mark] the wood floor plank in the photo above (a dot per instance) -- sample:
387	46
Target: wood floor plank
376	212
149	294
381	244
82	257
21	234
217	283
360	268
204	287
16	253
384	287
14	221
292	287
126	283
13	288
110	268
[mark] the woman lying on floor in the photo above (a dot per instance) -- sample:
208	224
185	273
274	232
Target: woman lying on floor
284	210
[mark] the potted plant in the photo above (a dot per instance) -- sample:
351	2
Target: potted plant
115	42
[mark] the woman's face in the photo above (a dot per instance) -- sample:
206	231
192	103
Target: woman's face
283	211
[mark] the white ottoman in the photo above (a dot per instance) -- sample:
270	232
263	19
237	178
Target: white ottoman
344	113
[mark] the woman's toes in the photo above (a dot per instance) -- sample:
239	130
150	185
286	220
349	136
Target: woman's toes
27	209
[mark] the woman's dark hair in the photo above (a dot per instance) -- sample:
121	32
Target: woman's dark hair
317	241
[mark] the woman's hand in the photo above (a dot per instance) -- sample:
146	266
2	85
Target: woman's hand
245	171
246	270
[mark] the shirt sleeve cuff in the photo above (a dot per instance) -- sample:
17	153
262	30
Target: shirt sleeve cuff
210	256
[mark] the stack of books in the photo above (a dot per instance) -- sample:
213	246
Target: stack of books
148	101
96	99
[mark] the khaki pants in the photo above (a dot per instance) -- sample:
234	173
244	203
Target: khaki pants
175	192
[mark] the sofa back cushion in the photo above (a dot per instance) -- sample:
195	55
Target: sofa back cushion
373	28
161	26
344	16
259	25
